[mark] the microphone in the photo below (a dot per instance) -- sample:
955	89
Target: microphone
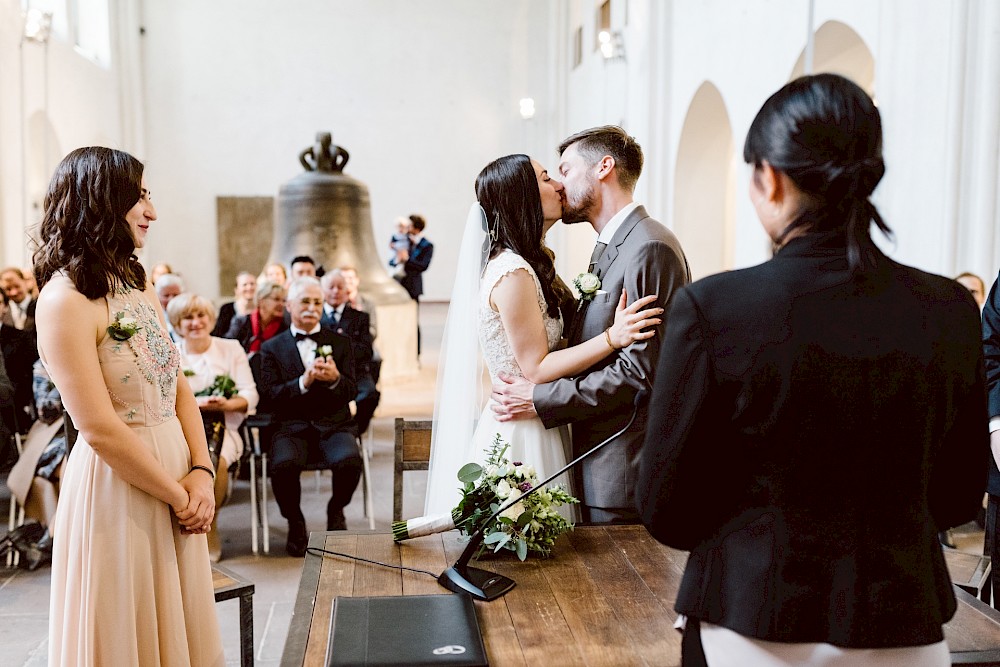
484	585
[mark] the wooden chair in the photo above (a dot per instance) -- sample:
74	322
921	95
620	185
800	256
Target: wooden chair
413	452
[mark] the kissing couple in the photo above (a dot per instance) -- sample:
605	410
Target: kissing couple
555	362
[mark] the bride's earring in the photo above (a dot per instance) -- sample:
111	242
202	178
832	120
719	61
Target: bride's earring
495	232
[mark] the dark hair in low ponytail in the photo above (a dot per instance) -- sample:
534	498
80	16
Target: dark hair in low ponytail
507	189
825	133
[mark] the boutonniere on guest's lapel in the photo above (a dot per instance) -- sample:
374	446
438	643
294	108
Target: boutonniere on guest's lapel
324	351
124	327
588	285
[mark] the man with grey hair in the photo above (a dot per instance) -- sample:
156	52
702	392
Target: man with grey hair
306	382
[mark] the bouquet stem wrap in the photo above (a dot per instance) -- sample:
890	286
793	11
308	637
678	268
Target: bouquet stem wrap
424	525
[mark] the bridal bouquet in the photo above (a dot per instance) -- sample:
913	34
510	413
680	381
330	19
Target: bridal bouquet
531	525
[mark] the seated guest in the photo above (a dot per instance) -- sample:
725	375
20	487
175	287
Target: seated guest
34	479
207	361
276	273
21	305
975	285
159	269
168	286
246	285
339	316
360	302
308	396
8	453
303	265
20	352
265	321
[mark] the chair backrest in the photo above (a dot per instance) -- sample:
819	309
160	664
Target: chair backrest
412	452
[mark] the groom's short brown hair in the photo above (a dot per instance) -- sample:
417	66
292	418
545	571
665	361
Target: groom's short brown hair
612	140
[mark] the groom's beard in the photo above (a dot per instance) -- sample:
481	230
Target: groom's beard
579	209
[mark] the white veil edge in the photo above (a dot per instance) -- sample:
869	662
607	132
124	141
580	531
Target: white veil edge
458	397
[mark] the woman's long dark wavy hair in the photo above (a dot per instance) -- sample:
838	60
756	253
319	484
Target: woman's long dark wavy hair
825	133
507	189
84	231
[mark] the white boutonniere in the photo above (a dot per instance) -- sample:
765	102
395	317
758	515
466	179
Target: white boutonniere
124	327
588	285
324	351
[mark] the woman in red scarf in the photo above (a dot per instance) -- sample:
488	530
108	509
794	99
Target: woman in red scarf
263	322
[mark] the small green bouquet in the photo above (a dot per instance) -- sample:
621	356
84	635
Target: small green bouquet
528	526
222	385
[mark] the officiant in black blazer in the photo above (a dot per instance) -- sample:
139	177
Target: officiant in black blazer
308	396
819	417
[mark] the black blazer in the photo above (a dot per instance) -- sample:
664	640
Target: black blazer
323	405
242	330
20	351
420	259
991	348
356	326
810	432
227	312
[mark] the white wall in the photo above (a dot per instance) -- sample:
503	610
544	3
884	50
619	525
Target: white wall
422	95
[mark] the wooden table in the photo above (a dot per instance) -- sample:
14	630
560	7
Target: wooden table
605	598
229	585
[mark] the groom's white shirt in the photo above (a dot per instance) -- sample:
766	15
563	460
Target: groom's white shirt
615	222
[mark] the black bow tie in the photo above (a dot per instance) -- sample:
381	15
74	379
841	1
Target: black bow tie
303	336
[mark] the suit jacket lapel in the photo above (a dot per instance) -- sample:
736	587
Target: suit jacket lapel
291	351
611	252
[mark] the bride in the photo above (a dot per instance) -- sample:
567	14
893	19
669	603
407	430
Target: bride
509	302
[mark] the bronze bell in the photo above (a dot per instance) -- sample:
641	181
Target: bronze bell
326	214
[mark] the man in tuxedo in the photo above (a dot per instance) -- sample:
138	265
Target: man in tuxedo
415	262
308	396
339	316
634	253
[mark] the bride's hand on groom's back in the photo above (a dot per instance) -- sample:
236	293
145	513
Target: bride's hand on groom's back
512	398
634	322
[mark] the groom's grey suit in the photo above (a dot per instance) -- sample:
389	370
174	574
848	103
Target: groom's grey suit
643	258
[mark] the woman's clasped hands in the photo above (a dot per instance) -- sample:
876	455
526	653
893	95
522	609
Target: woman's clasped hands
196	513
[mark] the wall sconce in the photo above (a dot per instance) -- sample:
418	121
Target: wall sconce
37	26
612	45
527	107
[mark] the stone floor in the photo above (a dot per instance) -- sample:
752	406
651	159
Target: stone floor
24	596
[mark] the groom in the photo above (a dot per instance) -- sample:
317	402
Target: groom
600	167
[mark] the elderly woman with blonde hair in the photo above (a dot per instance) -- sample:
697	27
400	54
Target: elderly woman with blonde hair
219	374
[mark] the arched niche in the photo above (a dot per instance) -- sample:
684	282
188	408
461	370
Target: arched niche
838	49
705	184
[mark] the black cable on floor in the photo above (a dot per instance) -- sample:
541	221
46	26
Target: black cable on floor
322	553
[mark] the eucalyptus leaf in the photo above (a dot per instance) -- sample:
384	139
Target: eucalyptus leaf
525	519
493	538
470	472
522	549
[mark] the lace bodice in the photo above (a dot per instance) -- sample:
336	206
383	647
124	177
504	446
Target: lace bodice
140	372
492	337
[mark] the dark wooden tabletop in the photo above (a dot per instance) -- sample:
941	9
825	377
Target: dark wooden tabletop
605	598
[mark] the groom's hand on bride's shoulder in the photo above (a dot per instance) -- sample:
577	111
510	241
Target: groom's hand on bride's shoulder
512	398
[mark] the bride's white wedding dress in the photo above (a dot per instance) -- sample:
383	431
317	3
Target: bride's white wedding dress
529	440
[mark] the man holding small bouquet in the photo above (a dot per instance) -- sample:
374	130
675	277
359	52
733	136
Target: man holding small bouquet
219	374
307	383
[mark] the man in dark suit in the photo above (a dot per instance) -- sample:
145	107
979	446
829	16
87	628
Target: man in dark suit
355	325
308	395
21	313
20	352
991	351
634	253
415	263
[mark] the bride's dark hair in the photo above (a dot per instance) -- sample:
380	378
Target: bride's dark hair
83	230
507	189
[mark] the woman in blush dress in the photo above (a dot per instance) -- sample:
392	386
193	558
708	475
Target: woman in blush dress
514	308
131	578
204	359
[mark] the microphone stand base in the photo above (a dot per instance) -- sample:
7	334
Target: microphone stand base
480	584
